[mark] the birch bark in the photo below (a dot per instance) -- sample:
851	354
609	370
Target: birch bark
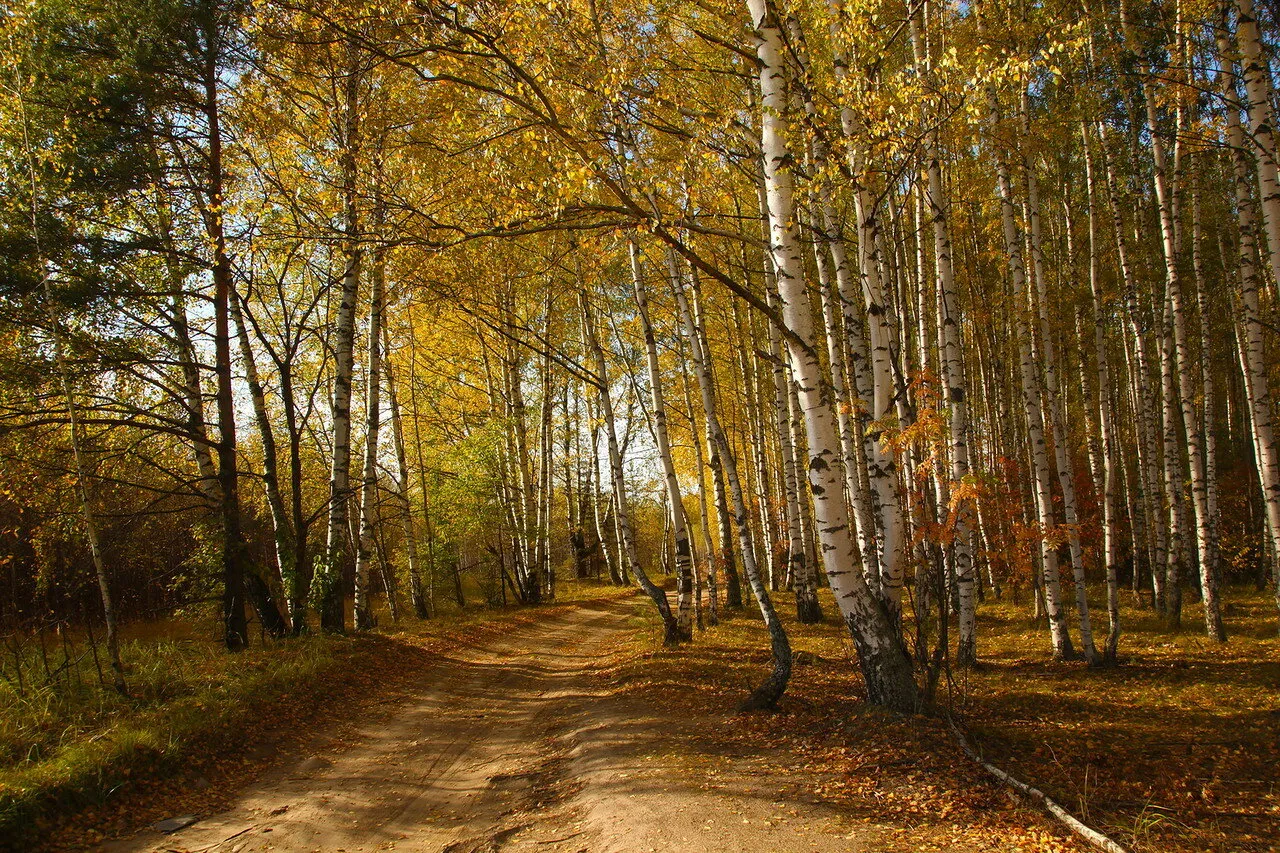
1177	367
329	574
790	484
1031	401
1248	314
885	665
1052	397
421	607
679	527
671	630
1199	419
873	371
766	695
1110	448
1257	84
1144	392
953	369
724	512
364	619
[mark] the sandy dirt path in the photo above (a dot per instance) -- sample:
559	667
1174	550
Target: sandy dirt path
522	743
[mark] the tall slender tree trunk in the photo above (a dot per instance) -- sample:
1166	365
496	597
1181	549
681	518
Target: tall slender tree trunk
805	581
426	493
331	573
1110	448
704	517
1051	393
671	629
192	389
364	619
873	625
1257	84
1199	422
1031	400
679	527
1248	316
950	355
724	513
235	555
749	365
281	528
883	554
790	482
600	518
846	400
766	695
882	466
1176	371
417	597
1140	370
863	447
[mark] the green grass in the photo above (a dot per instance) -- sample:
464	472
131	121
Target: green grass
72	741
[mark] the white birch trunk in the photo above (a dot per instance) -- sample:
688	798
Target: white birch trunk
828	241
416	596
329	574
790	482
882	467
878	390
885	665
1176	366
953	371
1257	84
1198	420
1051	394
1106	423
679	527
855	360
373	427
766	695
671	631
724	512
1144	392
1249	321
704	516
1041	486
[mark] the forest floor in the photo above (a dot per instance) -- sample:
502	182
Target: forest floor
569	729
1177	748
566	733
1174	750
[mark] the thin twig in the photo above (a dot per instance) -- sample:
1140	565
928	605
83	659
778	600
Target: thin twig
208	847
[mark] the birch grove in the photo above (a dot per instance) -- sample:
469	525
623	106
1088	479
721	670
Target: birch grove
905	312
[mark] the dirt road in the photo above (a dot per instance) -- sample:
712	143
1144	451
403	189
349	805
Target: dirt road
522	743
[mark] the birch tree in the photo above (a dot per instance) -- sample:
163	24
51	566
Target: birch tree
885	666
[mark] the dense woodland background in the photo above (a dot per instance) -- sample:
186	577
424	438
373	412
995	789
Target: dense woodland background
316	313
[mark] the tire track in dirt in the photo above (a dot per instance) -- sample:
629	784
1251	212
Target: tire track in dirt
452	768
518	744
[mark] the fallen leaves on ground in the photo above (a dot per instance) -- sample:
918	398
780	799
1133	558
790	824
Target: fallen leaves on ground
1177	749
